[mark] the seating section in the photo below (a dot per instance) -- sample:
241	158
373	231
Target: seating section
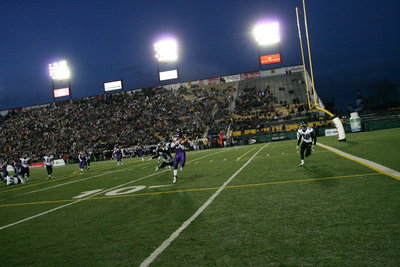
147	116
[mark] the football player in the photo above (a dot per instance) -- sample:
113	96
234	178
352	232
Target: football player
4	171
180	154
18	168
118	156
13	180
306	134
140	152
89	153
49	162
25	161
168	160
82	161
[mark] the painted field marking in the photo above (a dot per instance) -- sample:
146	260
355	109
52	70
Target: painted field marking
109	165
245	154
370	164
197	189
175	234
107	170
281	156
59	185
158	186
74	174
95	194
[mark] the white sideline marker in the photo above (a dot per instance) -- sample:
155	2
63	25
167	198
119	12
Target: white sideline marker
175	234
370	164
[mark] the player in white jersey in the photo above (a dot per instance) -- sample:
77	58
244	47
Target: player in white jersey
49	162
25	162
13	180
307	135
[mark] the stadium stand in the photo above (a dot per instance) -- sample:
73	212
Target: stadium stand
146	116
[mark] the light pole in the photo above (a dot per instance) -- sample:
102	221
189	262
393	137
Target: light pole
267	34
166	52
59	71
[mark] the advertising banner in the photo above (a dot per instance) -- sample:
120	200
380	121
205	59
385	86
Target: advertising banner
168	75
267	73
59	162
37	165
61	92
111	86
232	78
330	132
297	68
250	75
270	59
213	81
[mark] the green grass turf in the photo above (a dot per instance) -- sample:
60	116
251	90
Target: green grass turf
331	212
382	146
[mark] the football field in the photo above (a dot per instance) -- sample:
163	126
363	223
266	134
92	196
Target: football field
240	206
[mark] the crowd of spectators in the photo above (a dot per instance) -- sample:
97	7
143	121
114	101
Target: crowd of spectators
125	119
259	108
140	117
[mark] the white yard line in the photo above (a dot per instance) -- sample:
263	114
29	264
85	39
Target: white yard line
175	234
88	178
370	164
98	193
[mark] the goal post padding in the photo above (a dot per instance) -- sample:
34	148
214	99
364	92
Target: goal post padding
340	129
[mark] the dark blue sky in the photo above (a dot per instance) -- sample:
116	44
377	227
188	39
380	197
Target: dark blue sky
354	43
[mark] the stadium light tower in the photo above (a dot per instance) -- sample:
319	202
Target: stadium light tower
267	34
60	72
166	53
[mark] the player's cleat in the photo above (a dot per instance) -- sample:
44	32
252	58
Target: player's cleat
175	179
301	164
157	168
49	176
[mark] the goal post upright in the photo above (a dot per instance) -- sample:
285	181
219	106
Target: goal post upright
315	104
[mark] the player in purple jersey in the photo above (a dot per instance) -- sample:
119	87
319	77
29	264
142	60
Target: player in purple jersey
139	151
4	171
18	168
180	155
118	155
82	161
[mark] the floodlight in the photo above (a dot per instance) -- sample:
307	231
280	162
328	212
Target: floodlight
267	33
59	70
166	50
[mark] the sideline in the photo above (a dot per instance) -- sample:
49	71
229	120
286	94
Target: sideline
98	193
175	234
370	164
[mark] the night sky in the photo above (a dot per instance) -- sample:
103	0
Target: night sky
354	43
